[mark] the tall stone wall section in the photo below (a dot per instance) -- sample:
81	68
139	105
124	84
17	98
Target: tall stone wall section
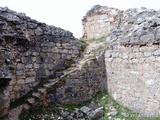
132	59
132	62
133	77
31	51
100	21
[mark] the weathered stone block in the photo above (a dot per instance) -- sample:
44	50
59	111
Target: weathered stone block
35	53
51	66
20	66
27	60
30	80
38	31
29	66
16	88
67	45
41	73
125	56
143	49
114	54
58	44
70	81
107	54
10	88
20	72
33	59
20	81
147	54
49	60
36	66
13	81
157	52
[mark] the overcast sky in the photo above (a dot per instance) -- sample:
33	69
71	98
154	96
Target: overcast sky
67	14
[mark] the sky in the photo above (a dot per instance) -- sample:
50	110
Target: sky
67	14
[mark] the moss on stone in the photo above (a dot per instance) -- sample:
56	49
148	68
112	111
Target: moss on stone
101	39
102	99
69	63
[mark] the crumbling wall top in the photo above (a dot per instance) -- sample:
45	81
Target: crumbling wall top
23	28
130	27
98	10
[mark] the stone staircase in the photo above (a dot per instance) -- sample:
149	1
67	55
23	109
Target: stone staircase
39	97
41	92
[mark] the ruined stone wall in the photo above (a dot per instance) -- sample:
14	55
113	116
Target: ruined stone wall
132	62
30	51
83	83
100	21
133	77
132	59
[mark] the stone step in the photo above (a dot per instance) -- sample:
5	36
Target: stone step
36	94
50	80
63	75
42	90
47	85
66	72
73	65
31	101
58	74
53	81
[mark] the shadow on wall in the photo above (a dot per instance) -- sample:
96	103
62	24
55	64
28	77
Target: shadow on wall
4	97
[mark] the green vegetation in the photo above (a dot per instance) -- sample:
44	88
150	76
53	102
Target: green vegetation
50	111
101	39
100	49
82	44
85	65
101	100
106	101
39	112
69	63
19	101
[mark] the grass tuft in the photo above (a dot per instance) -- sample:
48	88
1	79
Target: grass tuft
82	44
101	39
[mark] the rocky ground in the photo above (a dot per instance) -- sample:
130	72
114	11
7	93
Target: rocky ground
102	107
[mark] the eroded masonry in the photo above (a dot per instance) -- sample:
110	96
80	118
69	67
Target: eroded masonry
132	60
30	51
34	57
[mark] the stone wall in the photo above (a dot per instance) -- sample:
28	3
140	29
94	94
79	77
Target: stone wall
133	77
100	21
132	59
30	51
84	83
